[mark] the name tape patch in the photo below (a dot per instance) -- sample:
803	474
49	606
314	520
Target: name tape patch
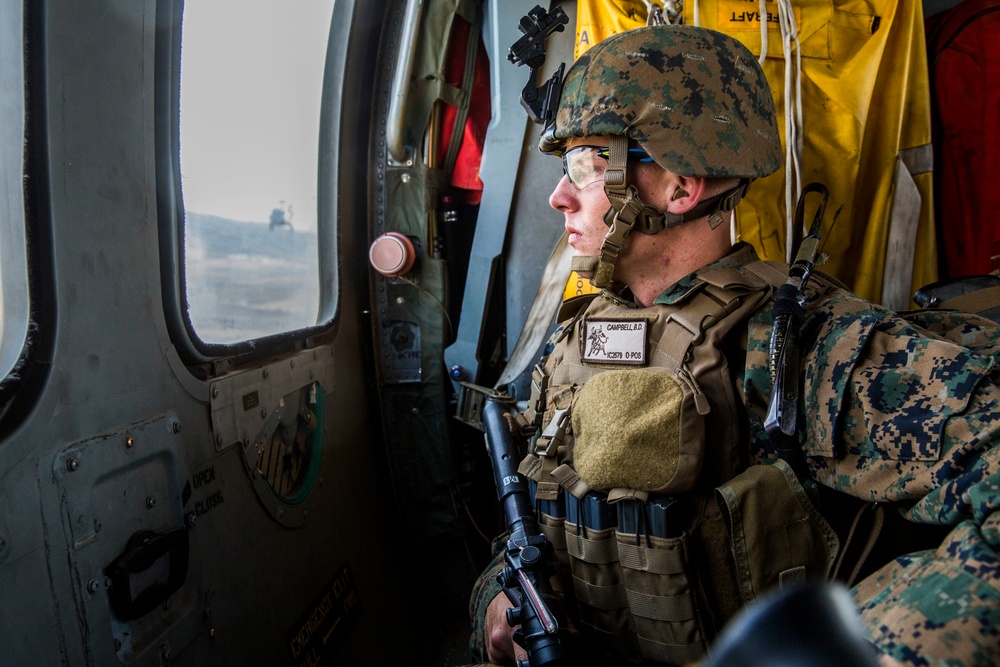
615	341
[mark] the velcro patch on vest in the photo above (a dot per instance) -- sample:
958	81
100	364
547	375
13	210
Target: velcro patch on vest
615	341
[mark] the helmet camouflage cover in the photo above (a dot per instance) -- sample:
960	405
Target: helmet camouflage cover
695	99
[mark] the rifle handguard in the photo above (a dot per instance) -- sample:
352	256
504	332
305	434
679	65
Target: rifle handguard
529	558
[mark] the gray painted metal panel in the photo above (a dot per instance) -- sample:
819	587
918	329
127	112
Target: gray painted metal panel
115	373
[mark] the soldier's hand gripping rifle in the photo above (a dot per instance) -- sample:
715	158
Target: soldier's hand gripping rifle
528	560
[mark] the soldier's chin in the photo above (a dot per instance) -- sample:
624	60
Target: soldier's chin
585	274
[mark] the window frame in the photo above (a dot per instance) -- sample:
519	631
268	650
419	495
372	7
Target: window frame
23	381
170	206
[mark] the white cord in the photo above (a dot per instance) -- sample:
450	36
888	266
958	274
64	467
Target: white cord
763	33
793	118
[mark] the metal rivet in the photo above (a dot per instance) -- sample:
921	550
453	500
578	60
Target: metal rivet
263	414
97	526
215	392
265	373
72	465
130	441
93	586
150	502
175	426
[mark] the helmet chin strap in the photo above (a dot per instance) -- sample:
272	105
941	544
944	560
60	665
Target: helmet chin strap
628	213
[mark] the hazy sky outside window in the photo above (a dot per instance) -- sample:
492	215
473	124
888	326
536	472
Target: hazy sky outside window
250	101
251	83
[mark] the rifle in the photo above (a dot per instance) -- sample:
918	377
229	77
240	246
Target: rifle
529	560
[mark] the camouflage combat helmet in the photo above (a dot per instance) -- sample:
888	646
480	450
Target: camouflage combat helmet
694	99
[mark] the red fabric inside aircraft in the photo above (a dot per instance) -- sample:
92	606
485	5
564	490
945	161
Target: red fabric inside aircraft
964	56
465	175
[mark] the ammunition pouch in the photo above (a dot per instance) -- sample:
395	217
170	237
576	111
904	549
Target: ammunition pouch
776	536
660	530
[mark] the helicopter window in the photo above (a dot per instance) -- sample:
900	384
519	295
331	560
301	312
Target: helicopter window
250	99
14	304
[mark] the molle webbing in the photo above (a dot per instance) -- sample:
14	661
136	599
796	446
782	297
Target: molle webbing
636	589
591	549
633	556
658	581
671	608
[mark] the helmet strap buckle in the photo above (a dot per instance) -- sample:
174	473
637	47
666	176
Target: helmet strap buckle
627	211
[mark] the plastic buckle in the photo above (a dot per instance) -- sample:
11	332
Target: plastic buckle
550	439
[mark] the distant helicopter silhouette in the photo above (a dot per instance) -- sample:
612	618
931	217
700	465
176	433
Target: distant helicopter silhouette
279	219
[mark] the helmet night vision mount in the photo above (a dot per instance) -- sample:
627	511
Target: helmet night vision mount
539	101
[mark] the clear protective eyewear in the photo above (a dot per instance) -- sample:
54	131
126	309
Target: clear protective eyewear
585	165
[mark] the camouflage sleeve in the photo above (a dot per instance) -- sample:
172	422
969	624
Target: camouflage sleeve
485	589
897	413
940	607
943	606
914	418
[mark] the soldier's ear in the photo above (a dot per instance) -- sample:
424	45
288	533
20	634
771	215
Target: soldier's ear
684	193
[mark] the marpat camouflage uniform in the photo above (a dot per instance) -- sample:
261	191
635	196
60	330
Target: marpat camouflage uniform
891	413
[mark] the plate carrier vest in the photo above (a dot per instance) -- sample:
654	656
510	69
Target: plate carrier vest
652	573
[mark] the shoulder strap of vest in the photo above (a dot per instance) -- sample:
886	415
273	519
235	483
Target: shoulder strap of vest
772	273
728	297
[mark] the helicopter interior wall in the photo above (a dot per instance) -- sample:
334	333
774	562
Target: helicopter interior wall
121	426
105	446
